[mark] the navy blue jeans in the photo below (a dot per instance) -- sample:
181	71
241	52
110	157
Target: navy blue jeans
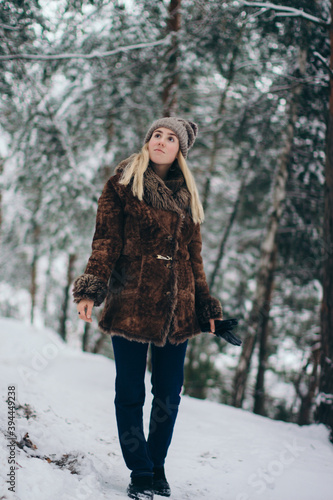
167	378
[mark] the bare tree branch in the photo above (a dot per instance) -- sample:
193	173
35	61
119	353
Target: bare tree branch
11	28
323	60
284	11
93	55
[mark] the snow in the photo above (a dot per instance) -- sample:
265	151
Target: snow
64	401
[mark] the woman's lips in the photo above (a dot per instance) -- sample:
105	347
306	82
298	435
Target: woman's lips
160	150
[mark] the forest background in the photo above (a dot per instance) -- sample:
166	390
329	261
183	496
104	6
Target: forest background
80	83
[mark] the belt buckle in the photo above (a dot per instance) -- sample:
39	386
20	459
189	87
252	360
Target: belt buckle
164	258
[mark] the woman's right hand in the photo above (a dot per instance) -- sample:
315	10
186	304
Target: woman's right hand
84	308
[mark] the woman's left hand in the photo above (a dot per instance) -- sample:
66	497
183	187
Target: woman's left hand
212	325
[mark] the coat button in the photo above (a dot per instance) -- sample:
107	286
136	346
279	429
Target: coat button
168	265
170	238
182	216
167	293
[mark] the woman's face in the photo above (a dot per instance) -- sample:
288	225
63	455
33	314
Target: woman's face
163	146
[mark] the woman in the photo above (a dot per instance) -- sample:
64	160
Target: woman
146	262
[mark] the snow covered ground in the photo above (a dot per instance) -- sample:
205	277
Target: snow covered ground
68	446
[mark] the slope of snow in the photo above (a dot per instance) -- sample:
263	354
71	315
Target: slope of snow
64	402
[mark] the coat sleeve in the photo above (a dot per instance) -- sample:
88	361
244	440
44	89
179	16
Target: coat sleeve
106	248
206	306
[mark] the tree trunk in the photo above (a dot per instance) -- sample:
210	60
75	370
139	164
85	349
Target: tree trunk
195	381
85	337
99	343
324	412
33	287
216	145
47	283
263	333
194	387
1	172
228	227
304	415
33	270
244	178
64	311
172	56
258	320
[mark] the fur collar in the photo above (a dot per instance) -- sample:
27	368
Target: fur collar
169	194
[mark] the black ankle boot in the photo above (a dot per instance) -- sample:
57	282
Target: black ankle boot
160	483
141	488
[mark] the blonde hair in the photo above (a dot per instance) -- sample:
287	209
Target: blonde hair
138	164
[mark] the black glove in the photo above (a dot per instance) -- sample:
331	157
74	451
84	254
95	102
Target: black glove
223	329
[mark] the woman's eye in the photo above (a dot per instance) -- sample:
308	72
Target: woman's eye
171	139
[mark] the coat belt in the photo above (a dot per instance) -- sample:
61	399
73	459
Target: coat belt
158	256
167	257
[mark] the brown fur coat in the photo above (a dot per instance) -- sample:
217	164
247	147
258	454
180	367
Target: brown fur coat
148	298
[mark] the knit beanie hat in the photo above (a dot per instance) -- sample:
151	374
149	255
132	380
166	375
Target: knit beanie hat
185	130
